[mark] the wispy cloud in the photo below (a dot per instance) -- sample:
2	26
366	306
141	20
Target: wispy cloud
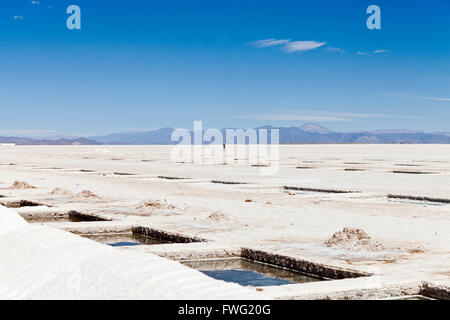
18	17
298	117
371	115
269	43
409	95
35	2
295	46
332	49
26	132
382	51
434	98
378	51
287	45
323	116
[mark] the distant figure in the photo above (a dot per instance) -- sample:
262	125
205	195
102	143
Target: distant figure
224	147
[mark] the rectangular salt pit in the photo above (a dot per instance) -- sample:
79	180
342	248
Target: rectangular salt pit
123	239
303	190
20	204
72	216
418	200
249	273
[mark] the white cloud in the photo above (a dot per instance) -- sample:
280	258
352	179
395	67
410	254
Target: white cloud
378	51
18	17
434	98
297	117
328	116
288	45
295	46
35	2
382	51
331	49
269	43
369	115
410	95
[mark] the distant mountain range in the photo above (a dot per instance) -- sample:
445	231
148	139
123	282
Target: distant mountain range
308	133
159	136
62	142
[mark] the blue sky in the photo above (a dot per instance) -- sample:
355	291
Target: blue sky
138	65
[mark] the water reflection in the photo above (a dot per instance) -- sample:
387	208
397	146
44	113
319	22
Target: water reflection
249	273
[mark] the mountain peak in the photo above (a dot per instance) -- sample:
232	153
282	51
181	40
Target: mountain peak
314	127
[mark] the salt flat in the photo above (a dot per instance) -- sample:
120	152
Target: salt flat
258	213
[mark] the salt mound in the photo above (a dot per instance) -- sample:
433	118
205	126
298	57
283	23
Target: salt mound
87	194
21	185
61	192
156	204
353	239
217	216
